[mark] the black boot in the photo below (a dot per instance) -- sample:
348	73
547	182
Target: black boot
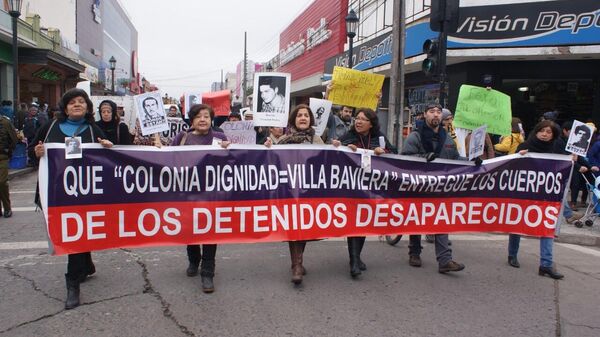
207	284
72	293
550	272
361	265
354	253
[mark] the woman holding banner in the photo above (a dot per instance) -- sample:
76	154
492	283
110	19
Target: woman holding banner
299	131
541	140
365	134
76	119
201	133
110	124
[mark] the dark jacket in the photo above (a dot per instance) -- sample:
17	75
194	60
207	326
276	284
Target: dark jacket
117	134
414	147
366	142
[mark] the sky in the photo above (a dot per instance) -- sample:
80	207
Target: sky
184	44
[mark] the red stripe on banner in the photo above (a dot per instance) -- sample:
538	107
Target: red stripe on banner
86	228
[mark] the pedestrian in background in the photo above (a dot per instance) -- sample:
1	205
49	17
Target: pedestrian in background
6	110
8	142
201	133
365	134
299	131
541	140
75	120
431	141
509	144
110	124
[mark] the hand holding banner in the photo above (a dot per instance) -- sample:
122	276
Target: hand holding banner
355	88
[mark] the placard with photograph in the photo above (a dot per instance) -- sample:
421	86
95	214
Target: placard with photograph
477	142
151	113
321	109
579	138
271	104
189	100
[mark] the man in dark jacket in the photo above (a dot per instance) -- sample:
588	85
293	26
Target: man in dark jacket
431	141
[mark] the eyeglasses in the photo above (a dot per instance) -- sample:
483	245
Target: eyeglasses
363	119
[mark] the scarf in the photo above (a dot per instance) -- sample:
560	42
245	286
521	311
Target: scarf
295	136
533	144
428	137
69	127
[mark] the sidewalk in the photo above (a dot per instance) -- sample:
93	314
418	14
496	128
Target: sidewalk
12	173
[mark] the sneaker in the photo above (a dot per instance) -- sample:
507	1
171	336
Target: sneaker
576	216
451	266
414	261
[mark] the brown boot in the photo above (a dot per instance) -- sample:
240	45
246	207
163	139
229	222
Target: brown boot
296	250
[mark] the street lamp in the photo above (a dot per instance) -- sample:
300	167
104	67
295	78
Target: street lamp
351	28
14	9
269	67
113	66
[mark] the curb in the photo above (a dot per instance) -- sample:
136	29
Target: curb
16	173
576	239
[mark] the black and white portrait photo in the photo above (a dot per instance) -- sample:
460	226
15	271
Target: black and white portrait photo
189	100
271	103
151	113
579	139
321	109
477	141
73	147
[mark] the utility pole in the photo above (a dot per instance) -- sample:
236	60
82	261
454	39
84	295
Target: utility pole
396	94
245	73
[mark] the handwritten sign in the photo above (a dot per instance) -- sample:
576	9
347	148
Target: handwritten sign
241	132
480	106
355	88
219	101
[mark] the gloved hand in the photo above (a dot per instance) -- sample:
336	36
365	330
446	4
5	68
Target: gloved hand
430	156
477	161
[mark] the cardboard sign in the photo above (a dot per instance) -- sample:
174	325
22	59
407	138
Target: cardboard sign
481	106
355	88
241	132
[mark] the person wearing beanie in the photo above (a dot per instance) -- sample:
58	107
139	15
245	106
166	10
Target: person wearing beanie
110	124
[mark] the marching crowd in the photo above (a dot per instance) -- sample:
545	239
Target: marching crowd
356	128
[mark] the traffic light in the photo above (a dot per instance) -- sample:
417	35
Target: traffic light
430	65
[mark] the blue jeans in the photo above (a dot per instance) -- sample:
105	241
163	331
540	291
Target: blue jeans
546	245
567	211
443	252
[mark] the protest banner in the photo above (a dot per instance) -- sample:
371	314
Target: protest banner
219	101
204	194
355	88
151	112
482	106
241	132
321	108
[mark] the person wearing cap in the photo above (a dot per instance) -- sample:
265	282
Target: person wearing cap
431	141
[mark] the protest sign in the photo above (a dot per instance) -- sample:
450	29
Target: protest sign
271	104
190	99
151	113
481	106
219	101
321	108
477	142
241	132
579	138
355	88
200	194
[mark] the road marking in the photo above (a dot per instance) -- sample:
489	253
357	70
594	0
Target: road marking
23	192
23	245
581	249
23	209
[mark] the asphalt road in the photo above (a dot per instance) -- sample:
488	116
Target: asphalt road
145	292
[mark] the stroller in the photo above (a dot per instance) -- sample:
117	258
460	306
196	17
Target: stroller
593	209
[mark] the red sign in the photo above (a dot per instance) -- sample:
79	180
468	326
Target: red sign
314	36
219	101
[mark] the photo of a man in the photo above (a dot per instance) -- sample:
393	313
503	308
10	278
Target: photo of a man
73	148
272	94
579	138
152	112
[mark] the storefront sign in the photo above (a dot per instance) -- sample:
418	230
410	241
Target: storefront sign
544	23
114	198
47	74
314	37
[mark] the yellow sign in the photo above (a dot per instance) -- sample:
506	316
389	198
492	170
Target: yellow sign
355	88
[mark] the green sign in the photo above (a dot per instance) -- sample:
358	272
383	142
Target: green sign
47	74
480	106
